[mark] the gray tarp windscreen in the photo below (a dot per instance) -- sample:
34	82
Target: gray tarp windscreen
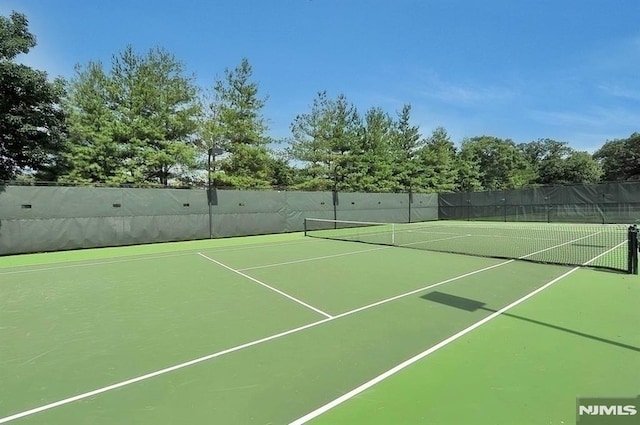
373	207
598	203
303	205
35	219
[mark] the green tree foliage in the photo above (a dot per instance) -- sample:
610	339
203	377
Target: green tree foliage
556	162
437	159
140	121
135	124
235	124
31	120
92	154
282	173
496	163
326	141
372	157
406	143
469	175
156	107
581	168
620	159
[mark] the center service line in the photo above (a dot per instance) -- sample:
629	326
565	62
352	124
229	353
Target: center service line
284	294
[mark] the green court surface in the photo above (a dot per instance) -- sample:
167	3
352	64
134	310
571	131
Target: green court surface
286	329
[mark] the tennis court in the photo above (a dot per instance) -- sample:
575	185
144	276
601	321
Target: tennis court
284	329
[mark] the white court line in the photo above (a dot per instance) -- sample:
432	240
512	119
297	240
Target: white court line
523	257
234	349
139	257
566	243
324	257
304	260
435	240
323	409
71	266
554	227
284	294
427	232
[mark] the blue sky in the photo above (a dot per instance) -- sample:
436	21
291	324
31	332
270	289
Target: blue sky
528	69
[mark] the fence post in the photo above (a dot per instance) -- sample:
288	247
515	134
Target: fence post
410	202
632	245
335	207
468	209
504	206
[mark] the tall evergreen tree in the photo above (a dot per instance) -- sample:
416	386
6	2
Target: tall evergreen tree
407	141
438	162
326	140
235	125
134	124
92	153
372	157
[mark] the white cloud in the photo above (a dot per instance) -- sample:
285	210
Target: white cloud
465	94
595	117
620	90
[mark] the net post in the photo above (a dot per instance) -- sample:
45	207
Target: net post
632	254
305	226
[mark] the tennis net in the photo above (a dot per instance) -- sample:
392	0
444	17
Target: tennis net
607	246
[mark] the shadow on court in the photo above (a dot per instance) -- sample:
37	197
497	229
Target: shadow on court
471	305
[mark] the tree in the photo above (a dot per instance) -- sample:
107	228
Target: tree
372	160
581	168
437	159
92	153
556	162
157	109
406	142
235	125
32	125
620	159
135	124
282	173
500	164
326	140
469	175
